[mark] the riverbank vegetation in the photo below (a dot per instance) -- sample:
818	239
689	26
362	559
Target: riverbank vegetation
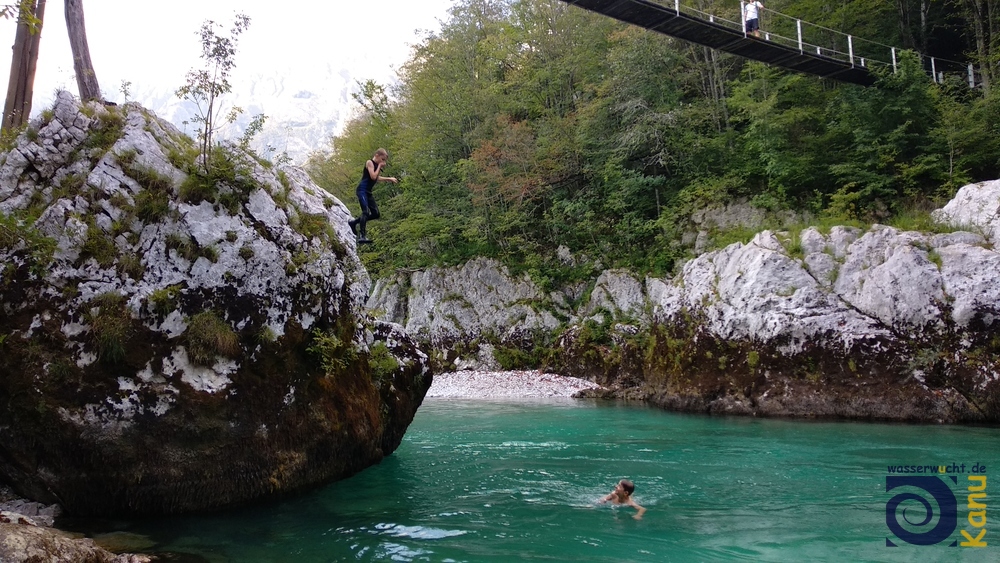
524	125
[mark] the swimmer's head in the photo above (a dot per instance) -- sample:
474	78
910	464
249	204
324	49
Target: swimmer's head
627	486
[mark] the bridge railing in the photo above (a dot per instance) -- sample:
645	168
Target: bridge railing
818	40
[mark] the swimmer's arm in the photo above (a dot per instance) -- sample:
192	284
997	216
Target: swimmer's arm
605	499
639	510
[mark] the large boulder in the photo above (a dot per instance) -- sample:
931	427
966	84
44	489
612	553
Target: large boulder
889	325
178	337
447	307
975	207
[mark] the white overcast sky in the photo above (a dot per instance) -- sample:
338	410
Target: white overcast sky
153	44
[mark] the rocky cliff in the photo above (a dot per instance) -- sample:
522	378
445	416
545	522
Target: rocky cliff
178	336
876	324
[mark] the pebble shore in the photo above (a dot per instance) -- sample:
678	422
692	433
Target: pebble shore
468	384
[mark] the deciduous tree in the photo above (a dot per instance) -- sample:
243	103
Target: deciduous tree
205	85
25	58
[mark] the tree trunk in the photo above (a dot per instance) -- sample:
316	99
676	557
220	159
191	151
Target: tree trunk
86	78
905	27
20	88
978	14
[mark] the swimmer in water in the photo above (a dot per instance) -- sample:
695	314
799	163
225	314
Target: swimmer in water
623	495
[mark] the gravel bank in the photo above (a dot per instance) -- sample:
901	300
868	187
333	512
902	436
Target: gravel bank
505	384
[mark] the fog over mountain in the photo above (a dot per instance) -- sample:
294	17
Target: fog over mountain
297	66
303	113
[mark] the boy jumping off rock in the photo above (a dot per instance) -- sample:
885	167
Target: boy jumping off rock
371	173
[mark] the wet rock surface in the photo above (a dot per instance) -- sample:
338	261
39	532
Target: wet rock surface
23	540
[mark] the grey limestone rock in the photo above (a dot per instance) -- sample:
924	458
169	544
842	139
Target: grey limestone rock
866	317
180	340
24	541
975	207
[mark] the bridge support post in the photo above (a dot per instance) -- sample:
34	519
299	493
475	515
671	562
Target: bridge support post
933	71
677	6
893	59
850	49
743	17
972	77
798	25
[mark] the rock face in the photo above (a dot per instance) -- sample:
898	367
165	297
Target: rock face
882	324
24	541
174	338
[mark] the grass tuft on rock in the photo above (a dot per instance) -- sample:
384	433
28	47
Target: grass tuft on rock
208	337
112	326
164	300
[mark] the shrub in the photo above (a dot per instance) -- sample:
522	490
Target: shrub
197	188
382	363
334	354
185	159
8	138
14	232
227	182
204	86
511	358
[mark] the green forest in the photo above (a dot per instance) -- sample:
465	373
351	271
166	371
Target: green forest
524	125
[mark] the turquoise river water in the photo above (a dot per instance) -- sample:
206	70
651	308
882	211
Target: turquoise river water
506	481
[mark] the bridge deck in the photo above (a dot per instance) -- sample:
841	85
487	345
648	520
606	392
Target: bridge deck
666	20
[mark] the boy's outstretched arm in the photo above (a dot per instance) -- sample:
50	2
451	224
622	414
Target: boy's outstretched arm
639	510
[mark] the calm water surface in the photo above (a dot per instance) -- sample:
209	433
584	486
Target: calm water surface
502	481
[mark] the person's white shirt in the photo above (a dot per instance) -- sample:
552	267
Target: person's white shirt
751	10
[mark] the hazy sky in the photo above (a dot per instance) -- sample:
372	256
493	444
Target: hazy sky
153	44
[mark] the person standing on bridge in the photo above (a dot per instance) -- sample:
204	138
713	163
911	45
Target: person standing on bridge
751	15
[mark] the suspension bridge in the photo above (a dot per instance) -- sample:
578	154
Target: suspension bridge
784	41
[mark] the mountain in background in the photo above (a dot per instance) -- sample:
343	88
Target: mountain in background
303	112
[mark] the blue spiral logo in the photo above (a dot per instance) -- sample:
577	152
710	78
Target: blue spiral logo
939	491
